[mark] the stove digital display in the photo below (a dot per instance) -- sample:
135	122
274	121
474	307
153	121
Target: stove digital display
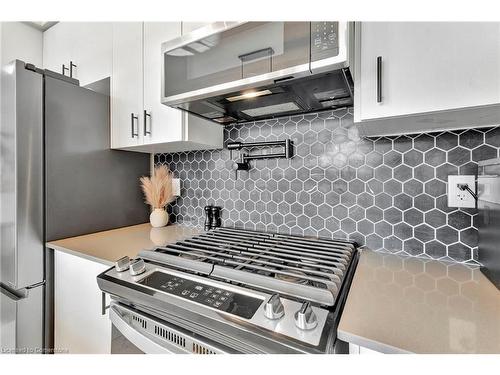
220	299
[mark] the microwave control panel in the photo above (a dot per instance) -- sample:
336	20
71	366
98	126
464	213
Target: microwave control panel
324	40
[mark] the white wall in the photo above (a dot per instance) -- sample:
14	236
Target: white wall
20	41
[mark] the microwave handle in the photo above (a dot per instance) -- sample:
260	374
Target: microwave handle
254	55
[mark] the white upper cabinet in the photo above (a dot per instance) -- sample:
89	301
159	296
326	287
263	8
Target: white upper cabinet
425	67
187	27
139	121
84	48
58	44
160	123
126	85
93	53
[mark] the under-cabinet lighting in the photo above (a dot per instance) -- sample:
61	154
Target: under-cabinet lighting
248	95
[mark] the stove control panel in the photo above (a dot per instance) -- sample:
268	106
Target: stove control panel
275	313
234	303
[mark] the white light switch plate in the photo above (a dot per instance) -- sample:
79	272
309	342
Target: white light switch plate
461	198
176	186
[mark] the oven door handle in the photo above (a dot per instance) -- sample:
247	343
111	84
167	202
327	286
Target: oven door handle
144	343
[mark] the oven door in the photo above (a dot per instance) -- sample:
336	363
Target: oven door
135	332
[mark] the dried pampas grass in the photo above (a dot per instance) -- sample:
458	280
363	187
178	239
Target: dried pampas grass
158	188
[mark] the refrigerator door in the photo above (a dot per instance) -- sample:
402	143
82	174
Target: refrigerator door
22	320
90	188
21	179
21	202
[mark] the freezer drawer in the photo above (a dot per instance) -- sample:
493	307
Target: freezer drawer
22	320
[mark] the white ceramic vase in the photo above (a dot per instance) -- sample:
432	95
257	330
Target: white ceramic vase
158	218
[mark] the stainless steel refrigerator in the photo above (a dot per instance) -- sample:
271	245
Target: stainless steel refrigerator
58	179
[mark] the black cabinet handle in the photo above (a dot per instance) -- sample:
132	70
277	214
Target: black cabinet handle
71	66
132	118
379	79
146	115
64	68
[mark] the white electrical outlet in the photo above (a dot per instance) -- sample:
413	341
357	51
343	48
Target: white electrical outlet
176	186
461	198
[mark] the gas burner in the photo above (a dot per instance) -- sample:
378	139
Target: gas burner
298	278
264	273
193	254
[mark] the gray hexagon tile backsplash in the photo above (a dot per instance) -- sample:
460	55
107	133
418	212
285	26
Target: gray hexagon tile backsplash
388	193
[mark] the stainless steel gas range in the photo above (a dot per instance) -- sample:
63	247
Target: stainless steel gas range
231	290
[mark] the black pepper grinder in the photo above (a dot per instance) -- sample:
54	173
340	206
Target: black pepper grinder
216	219
208	217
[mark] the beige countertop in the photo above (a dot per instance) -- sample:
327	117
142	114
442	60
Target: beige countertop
108	246
402	304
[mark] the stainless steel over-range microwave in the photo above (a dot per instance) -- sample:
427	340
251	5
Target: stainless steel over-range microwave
244	71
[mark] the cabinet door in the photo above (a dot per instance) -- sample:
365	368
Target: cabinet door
427	66
126	85
79	326
93	56
187	27
58	44
163	123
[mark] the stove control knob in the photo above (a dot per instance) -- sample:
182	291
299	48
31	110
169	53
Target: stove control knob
273	309
305	318
137	266
122	264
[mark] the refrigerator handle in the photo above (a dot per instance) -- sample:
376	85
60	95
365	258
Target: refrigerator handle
13	294
41	283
